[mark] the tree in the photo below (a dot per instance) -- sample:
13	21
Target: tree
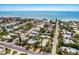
14	52
65	51
10	40
7	51
19	38
50	21
47	44
19	41
77	53
42	30
76	36
27	47
52	34
24	42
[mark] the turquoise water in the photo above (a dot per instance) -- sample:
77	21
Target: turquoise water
61	15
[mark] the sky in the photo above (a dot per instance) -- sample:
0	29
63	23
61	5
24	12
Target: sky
39	7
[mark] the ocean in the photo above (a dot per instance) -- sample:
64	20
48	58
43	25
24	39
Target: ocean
50	15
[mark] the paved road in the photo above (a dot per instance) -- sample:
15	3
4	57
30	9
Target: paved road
12	46
55	39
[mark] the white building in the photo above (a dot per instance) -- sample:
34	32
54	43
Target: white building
69	49
1	49
44	42
7	37
67	41
32	41
66	35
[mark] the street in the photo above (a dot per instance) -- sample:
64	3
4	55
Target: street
55	39
12	46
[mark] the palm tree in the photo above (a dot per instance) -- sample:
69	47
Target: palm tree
65	51
19	37
77	53
19	41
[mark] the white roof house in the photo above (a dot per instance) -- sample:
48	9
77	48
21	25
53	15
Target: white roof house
13	34
23	37
34	33
73	50
7	37
32	41
68	41
9	29
37	28
64	31
1	49
45	36
69	49
44	42
50	28
67	35
42	25
15	27
46	33
72	42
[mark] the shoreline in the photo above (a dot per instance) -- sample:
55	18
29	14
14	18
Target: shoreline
41	18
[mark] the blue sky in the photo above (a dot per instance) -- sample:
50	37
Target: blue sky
39	7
